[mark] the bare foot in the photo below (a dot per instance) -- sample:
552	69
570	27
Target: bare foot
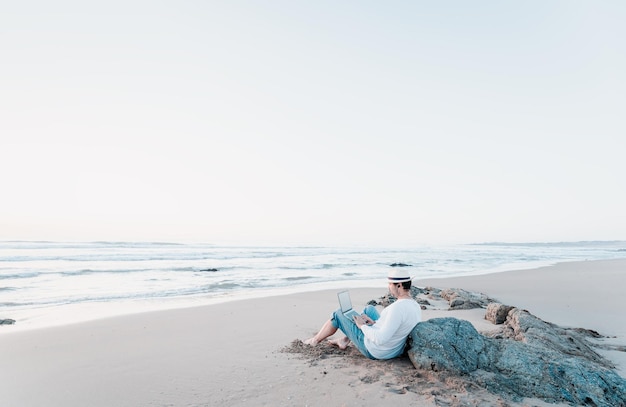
340	343
311	342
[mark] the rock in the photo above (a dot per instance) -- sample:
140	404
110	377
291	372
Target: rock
587	332
461	299
456	298
387	299
523	326
422	301
496	313
7	321
535	365
446	344
209	270
400	265
415	291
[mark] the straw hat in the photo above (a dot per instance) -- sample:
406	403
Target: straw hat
398	275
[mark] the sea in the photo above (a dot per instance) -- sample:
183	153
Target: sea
46	283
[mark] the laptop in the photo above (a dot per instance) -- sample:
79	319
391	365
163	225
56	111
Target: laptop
346	305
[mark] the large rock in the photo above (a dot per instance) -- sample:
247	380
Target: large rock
496	313
447	344
514	368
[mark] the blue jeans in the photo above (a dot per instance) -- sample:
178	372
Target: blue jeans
353	332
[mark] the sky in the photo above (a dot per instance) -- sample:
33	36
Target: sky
321	122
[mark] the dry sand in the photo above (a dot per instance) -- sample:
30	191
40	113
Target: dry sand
236	353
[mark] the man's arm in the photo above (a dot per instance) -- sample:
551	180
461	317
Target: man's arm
384	328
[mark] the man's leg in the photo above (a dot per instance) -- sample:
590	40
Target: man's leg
343	343
352	331
328	329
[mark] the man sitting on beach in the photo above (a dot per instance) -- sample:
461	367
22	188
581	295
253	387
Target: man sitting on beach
377	336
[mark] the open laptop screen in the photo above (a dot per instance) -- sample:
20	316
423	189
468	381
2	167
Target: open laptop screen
344	301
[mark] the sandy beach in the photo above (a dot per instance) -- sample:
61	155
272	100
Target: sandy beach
234	354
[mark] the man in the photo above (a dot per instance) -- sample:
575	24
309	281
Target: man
377	336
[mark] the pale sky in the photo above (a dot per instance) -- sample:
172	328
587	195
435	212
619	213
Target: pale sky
318	122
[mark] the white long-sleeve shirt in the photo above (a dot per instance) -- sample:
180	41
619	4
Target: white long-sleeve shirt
386	338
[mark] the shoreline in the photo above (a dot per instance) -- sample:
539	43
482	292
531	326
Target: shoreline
68	314
230	353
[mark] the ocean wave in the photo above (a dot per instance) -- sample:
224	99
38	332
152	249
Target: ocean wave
84	272
213	289
14	304
581	243
298	278
28	274
135	244
8	288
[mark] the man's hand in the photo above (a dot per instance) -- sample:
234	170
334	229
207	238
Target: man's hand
363	320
